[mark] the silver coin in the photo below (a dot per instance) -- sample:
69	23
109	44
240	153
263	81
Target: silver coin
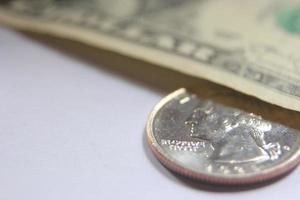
219	144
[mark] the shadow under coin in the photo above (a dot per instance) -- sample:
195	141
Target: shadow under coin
201	185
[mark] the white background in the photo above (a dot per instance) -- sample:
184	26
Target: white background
72	124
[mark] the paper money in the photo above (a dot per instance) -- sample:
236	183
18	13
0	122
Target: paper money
251	46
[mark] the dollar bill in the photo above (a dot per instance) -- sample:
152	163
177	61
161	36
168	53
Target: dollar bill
251	46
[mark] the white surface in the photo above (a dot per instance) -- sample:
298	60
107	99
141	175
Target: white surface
73	128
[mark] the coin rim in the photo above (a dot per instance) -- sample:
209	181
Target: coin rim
176	166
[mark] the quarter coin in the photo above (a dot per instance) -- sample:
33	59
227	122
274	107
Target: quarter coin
212	142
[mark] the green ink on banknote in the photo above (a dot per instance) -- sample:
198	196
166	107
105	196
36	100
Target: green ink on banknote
289	20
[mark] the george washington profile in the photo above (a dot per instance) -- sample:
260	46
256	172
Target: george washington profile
235	136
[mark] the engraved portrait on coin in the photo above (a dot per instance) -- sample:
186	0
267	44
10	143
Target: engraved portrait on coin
234	136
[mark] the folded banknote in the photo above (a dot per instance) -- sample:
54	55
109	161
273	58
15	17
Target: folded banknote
252	46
